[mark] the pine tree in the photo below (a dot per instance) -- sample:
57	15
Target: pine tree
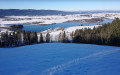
59	39
18	37
114	36
41	38
64	38
47	38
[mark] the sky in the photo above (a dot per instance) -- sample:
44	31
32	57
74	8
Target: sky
66	5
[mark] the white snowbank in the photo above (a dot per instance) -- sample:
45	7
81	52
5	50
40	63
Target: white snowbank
72	29
54	34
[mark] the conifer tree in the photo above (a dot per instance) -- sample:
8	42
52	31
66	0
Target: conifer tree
41	38
47	38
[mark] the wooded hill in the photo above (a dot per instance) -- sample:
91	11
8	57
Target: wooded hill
107	34
31	12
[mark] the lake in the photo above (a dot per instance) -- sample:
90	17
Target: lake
39	28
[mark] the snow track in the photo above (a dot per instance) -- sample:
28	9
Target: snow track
61	67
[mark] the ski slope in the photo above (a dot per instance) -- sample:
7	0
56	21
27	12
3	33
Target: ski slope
60	59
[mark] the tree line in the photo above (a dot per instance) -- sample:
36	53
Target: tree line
18	38
16	27
107	34
21	38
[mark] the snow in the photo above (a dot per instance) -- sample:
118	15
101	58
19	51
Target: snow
60	59
54	34
72	29
51	19
107	15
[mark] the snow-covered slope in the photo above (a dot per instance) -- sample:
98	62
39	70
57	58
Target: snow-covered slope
72	29
54	34
60	59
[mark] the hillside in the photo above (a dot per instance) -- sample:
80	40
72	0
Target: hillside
30	12
33	12
60	59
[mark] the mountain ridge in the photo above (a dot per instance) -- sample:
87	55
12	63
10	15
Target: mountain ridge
36	12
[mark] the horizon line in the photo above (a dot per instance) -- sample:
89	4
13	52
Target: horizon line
63	10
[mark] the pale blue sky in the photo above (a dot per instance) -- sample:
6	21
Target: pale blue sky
68	5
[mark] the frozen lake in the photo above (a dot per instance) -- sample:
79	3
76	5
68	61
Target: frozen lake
60	59
39	28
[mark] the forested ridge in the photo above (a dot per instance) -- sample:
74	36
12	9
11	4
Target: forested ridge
107	34
31	12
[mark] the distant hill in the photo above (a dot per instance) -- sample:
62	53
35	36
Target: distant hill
33	12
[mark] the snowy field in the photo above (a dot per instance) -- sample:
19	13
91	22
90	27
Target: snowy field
53	19
55	33
60	59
